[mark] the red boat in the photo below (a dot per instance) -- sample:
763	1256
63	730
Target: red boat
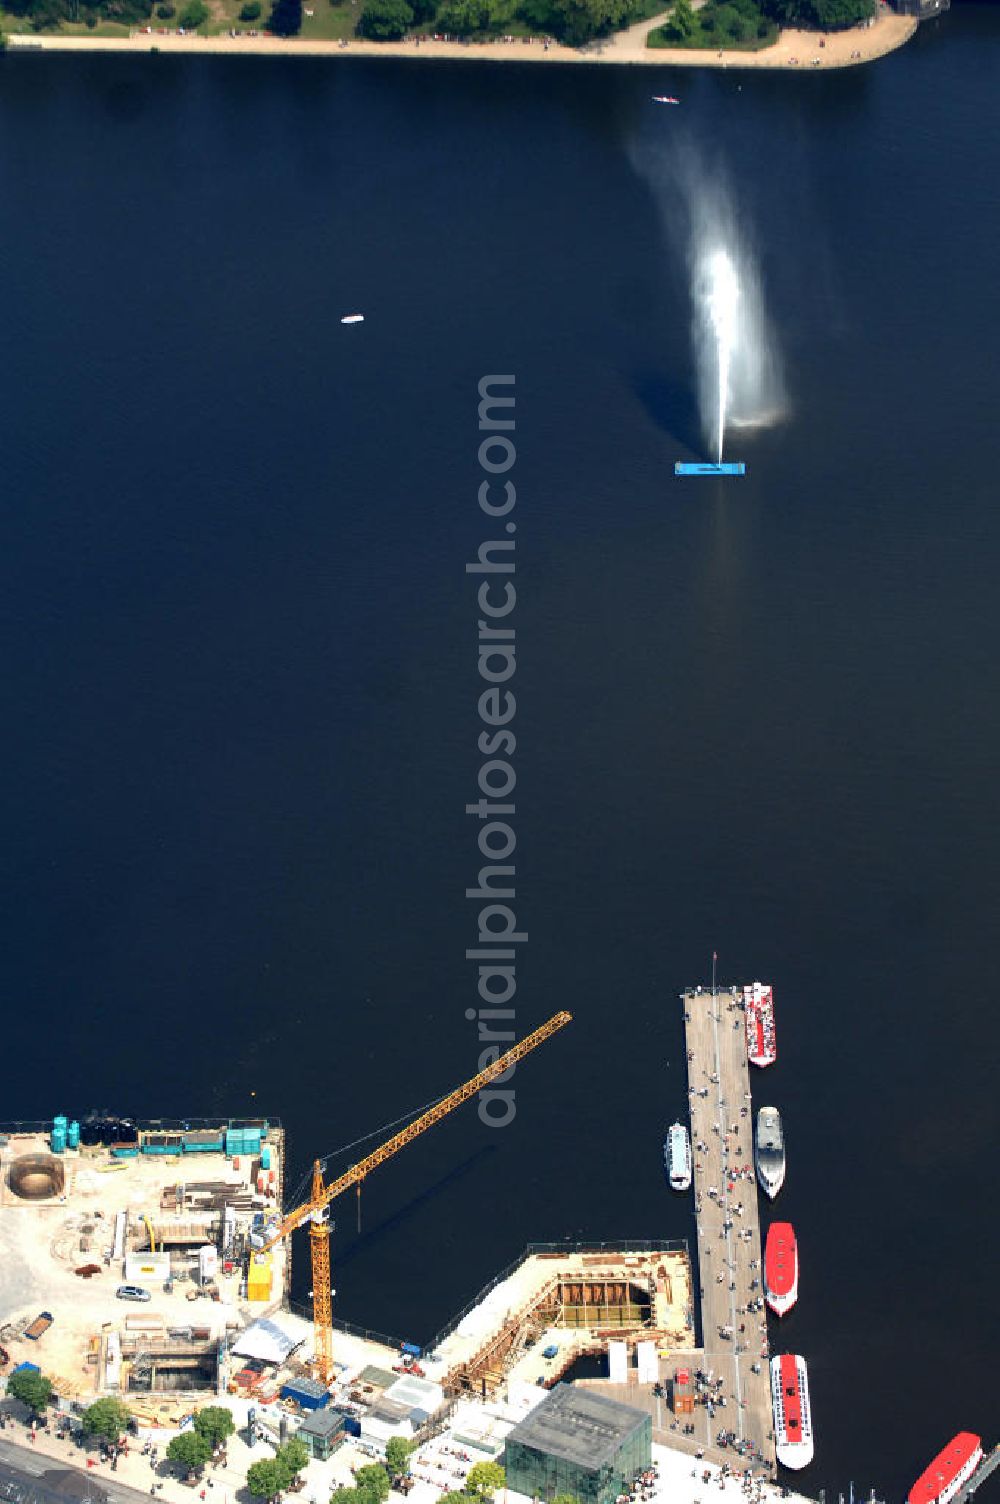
781	1268
950	1470
758	1002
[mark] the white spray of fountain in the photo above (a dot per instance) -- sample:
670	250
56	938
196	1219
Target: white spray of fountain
739	376
718	292
738	368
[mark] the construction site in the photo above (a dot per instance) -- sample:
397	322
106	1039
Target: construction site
127	1265
152	1262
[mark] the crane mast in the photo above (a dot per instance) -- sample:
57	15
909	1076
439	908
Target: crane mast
314	1211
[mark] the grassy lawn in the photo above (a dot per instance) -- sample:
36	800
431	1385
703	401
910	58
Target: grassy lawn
22	26
328	21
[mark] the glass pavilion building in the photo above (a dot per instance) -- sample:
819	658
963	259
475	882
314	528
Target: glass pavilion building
576	1442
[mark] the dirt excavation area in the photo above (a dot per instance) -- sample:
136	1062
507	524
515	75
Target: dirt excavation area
123	1274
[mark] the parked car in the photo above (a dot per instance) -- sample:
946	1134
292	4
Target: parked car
132	1292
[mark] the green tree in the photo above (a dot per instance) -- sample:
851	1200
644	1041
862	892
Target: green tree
397	1455
285	19
216	1422
682	23
463	18
193	15
266	1479
576	21
385	20
190	1449
292	1458
485	1479
834	15
250	11
565	1499
32	1389
345	1496
107	1418
372	1483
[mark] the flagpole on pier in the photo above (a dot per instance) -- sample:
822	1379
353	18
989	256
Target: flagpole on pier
715	957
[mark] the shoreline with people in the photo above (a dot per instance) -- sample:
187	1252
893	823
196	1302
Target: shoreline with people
794	49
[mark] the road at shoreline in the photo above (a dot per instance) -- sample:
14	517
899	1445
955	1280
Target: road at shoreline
793	49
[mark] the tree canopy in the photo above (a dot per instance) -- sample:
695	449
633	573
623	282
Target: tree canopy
680	26
190	1449
292	1457
385	20
107	1418
397	1455
215	1422
485	1479
835	15
372	1483
32	1389
286	18
266	1479
827	15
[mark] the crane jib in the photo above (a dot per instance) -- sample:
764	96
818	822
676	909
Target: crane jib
312	1209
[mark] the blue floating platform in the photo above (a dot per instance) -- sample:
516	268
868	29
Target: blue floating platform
731	467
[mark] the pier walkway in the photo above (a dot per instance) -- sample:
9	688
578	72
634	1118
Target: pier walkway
730	1258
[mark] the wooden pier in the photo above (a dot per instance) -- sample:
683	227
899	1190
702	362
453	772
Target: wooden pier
729	1274
730	1278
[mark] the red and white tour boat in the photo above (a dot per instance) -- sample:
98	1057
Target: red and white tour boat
781	1268
793	1434
758	1001
950	1470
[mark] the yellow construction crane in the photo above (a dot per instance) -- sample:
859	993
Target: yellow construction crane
314	1211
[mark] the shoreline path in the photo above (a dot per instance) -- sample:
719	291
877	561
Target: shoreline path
793	49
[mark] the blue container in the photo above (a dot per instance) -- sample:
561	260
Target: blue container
58	1137
129	1151
73	1135
265	1158
251	1141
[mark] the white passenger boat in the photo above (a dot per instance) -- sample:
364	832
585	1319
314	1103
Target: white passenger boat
677	1157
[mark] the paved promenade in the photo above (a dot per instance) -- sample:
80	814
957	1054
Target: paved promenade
793	49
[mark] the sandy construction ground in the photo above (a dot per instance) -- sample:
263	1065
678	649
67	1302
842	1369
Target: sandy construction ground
794	49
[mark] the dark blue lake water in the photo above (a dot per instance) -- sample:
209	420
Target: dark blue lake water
240	687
